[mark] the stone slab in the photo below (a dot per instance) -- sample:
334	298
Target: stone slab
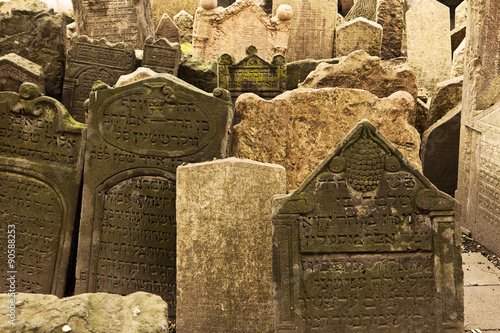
15	70
479	271
358	34
167	29
184	21
161	55
482	307
390	15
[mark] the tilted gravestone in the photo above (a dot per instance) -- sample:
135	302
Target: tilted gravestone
312	30
137	136
367	244
117	21
184	21
358	34
161	55
252	74
15	70
90	60
41	159
167	29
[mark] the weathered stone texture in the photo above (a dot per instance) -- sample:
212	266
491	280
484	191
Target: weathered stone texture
28	5
199	73
359	70
428	42
232	29
364	228
297	71
457	36
41	160
358	34
139	74
457	69
297	128
15	70
446	96
167	29
390	15
100	312
161	55
224	244
126	21
312	30
184	22
461	14
39	36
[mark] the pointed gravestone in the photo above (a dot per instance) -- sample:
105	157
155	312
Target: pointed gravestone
252	74
15	70
167	29
161	55
367	244
41	159
90	60
138	134
184	21
358	34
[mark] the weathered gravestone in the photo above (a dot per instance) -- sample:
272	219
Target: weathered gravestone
224	245
428	42
184	21
118	21
161	55
167	29
90	60
266	5
390	15
367	244
15	70
358	34
252	74
312	30
244	23
138	134
41	159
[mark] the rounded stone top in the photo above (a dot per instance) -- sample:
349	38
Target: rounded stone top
284	12
208	4
29	91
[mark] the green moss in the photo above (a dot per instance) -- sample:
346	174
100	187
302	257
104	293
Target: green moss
187	48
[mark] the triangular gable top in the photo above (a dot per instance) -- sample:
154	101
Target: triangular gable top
251	60
245	5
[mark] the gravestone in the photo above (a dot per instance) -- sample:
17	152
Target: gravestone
428	42
358	34
446	96
137	136
252	74
184	21
161	55
312	29
90	60
266	5
218	31
224	271
390	15
118	21
39	36
439	153
167	29
41	159
367	244
15	70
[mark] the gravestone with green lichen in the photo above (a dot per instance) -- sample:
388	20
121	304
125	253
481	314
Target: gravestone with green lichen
367	244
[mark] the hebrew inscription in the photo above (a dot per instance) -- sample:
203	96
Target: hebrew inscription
162	56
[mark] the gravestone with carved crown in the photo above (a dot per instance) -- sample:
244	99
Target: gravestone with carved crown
138	134
367	244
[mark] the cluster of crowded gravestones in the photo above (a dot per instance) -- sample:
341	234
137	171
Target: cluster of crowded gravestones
365	235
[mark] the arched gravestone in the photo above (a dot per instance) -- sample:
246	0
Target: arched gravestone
41	159
367	244
138	135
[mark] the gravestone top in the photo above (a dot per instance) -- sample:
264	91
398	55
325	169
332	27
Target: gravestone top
252	74
161	55
363	241
167	29
358	34
14	70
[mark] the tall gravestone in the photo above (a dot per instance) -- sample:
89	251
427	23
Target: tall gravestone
224	245
90	60
161	55
184	21
15	70
312	30
167	29
137	136
390	15
41	159
367	244
428	42
479	161
126	21
252	74
358	34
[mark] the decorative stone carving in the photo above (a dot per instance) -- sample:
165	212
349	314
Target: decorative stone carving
15	70
161	55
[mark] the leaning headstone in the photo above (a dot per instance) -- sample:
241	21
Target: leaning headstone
457	36
39	36
90	60
312	29
457	68
244	23
446	96
117	21
358	34
41	159
161	55
367	244
428	42
199	73
137	136
390	15
184	22
224	247
298	71
252	74
167	29
298	127
439	153
15	70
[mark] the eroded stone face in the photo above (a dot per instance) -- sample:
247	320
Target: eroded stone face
138	135
390	15
15	70
41	158
358	34
162	56
361	245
